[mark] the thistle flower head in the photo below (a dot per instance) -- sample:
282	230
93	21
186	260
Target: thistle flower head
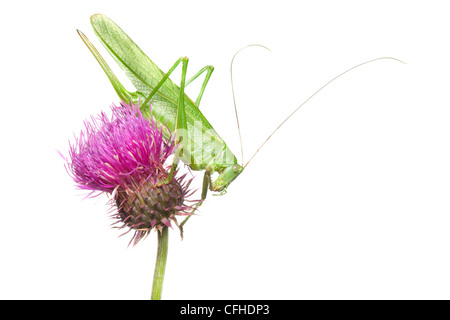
125	155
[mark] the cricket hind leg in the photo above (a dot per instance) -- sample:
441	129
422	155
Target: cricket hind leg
180	122
209	70
181	132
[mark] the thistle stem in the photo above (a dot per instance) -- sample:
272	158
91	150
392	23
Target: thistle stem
160	267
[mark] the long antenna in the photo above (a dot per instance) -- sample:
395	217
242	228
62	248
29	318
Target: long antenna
320	89
234	98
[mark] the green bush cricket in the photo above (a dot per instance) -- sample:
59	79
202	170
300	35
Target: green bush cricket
170	106
201	147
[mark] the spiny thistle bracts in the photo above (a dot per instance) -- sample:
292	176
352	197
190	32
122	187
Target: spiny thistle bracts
125	156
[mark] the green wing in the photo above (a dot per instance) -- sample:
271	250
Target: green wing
143	72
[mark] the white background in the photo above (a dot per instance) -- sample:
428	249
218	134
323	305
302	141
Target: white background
349	200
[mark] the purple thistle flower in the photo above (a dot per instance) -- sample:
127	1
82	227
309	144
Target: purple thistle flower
125	156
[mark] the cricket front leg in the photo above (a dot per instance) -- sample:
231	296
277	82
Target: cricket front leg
206	184
166	76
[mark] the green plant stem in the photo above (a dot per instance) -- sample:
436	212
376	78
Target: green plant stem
160	267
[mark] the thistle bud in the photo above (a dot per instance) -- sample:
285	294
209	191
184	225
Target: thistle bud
125	156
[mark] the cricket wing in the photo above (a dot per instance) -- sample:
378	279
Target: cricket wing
143	72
